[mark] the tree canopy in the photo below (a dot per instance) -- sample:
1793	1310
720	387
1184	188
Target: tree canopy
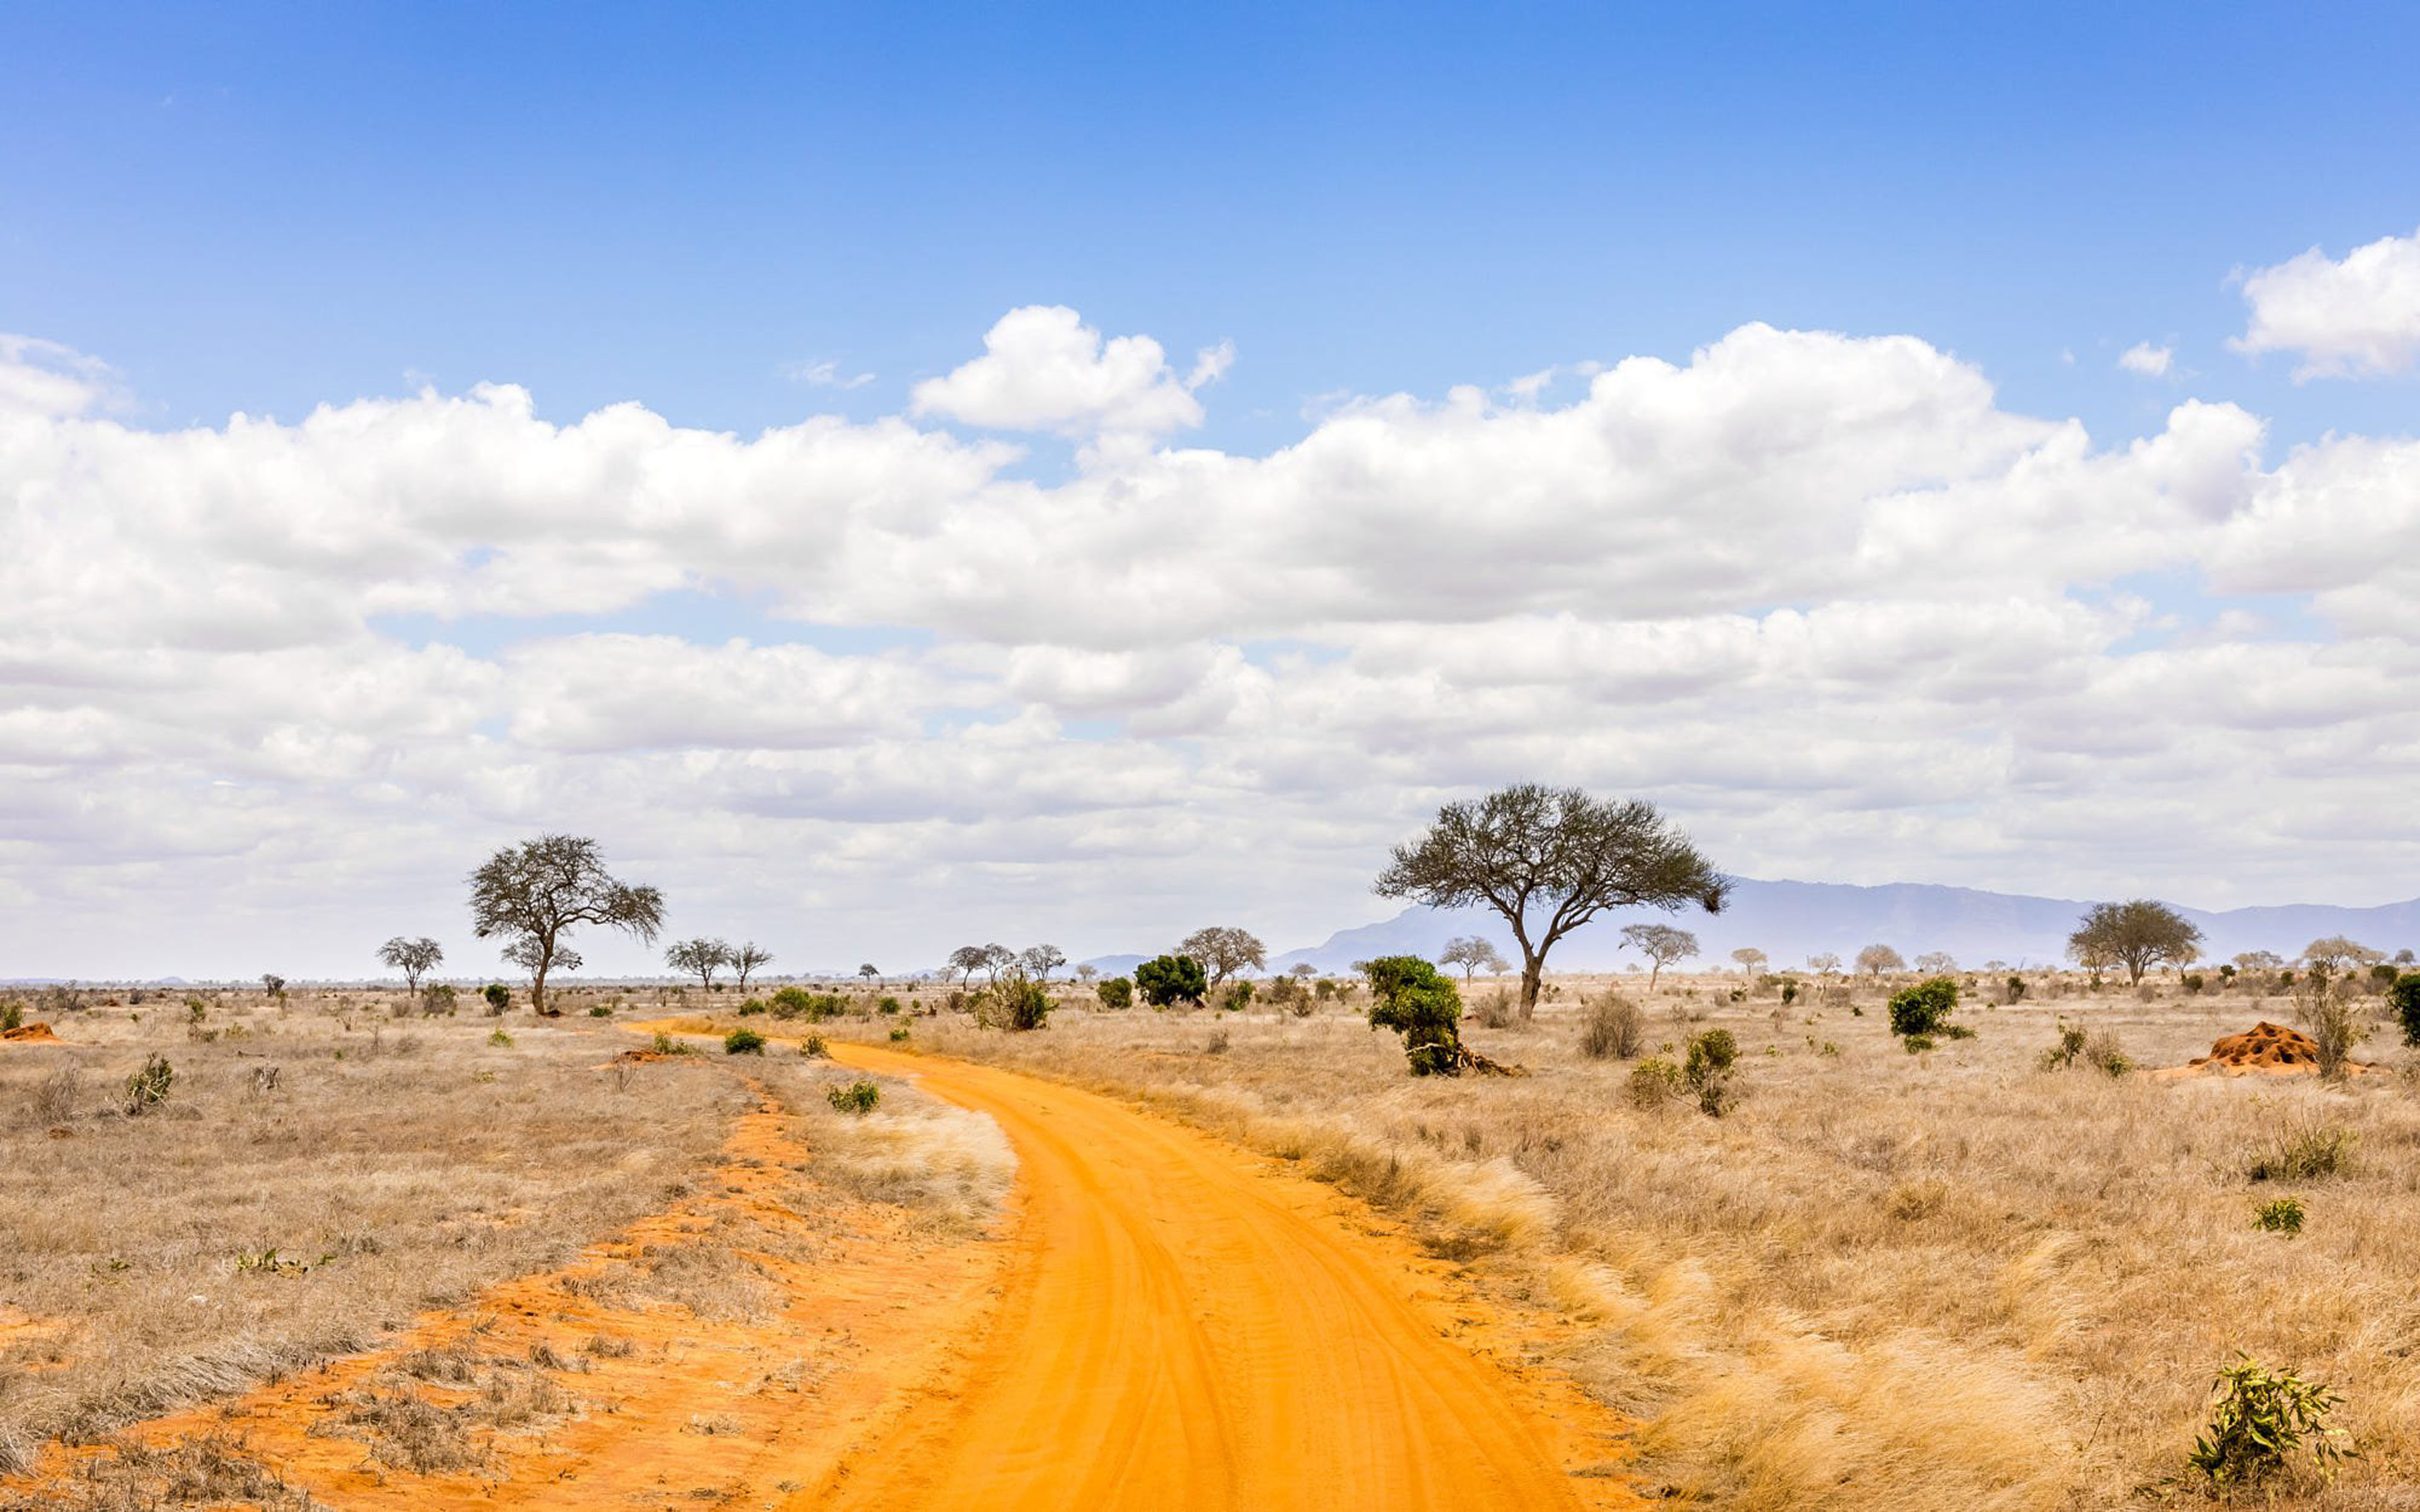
2138	935
536	892
1472	953
413	958
1223	951
1548	860
1661	944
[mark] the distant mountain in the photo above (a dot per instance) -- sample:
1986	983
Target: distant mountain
1791	921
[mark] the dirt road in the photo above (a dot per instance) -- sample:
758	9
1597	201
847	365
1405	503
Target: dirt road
1184	1326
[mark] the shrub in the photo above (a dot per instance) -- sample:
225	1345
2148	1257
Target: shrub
791	1002
1788	991
1708	1071
499	996
2303	1150
1924	1009
13	1016
2404	998
666	1045
1408	995
55	1100
1015	1003
2101	1052
2328	1013
1114	992
1495	1008
743	1042
899	1034
1613	1029
2070	1044
1655	1081
2278	1215
1918	1044
1237	998
751	1008
815	1048
2382	976
860	1097
2194	982
2016	989
148	1088
888	1005
1171	978
501	1040
2261	1418
437	998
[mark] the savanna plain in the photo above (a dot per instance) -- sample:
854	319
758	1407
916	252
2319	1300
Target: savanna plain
674	1247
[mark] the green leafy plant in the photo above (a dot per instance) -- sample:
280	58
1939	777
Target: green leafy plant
1114	992
2278	1215
2061	1056
1655	1081
501	1040
2404	998
1168	980
2303	1150
900	1035
599	1011
858	1096
751	1008
743	1042
148	1088
13	1016
1407	994
888	1005
815	1048
1707	1069
1924	1009
2262	1417
499	996
666	1044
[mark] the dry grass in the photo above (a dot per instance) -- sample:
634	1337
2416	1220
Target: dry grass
242	1229
1884	1281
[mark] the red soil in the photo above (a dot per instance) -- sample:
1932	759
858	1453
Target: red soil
29	1033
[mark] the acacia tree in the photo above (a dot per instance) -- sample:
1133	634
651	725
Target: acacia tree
871	972
1876	959
746	960
1824	964
1472	953
536	892
1937	963
413	958
1750	959
1224	950
1548	860
700	958
1039	961
1661	944
967	960
2137	935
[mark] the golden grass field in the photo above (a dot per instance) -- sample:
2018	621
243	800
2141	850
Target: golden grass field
1882	1281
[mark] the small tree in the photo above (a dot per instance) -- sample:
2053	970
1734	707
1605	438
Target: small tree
997	958
967	960
1224	950
1661	944
1751	960
700	958
868	972
1171	978
2338	956
1876	959
1920	1012
1087	973
1041	960
1016	1002
2404	998
1824	964
413	958
748	959
1937	963
1548	860
1408	995
1472	955
1114	992
2137	935
538	891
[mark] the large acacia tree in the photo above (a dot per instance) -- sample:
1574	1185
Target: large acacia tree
2137	935
1548	860
413	958
538	891
1224	949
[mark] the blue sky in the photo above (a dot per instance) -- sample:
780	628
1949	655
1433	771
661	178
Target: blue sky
1095	472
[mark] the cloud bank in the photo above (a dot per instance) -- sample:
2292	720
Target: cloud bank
266	687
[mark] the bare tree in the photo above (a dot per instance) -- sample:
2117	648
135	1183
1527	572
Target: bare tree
1224	950
1937	963
1661	944
1472	955
1087	972
700	958
2137	935
1876	959
413	958
1824	964
1750	959
2259	960
538	891
1548	860
746	960
1041	960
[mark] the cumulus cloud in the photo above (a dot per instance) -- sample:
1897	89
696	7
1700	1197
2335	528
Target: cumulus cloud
1044	369
2148	360
1824	596
2357	316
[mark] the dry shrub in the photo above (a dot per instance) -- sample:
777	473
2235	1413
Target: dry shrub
2301	1147
1495	1010
1614	1029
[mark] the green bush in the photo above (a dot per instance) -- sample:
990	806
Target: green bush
815	1048
2016	989
1168	980
2279	1215
667	1045
743	1042
1408	995
2070	1044
888	1005
2303	1150
2404	997
900	1035
1015	1003
751	1008
2261	1418
148	1088
501	1040
2194	982
1237	998
499	996
1115	992
1707	1069
1918	1044
600	1012
1924	1009
856	1097
13	1016
1655	1081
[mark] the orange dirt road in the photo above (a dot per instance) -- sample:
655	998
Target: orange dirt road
1185	1326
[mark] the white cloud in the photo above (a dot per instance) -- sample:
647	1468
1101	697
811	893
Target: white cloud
1044	369
2148	360
1824	595
824	373
2357	317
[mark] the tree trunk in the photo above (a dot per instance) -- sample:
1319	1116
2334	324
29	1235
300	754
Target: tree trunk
537	985
1532	968
1654	975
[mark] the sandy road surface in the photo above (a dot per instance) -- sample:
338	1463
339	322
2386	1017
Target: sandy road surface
1185	1326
